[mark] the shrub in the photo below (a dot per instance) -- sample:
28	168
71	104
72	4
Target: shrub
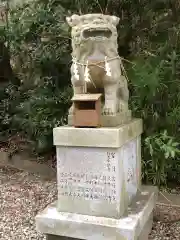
39	45
44	108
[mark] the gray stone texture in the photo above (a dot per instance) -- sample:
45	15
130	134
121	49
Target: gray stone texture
96	65
105	137
136	222
110	120
100	195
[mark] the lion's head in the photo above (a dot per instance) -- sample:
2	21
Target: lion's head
93	27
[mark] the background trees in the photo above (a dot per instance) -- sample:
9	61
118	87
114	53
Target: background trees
39	44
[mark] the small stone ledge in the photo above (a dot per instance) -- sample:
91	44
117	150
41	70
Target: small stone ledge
22	162
110	120
111	137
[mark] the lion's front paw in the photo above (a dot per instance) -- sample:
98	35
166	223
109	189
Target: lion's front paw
108	111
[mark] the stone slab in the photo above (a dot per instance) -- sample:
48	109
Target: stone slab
108	120
129	227
98	181
143	235
105	137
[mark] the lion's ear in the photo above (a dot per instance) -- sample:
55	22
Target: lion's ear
73	20
115	20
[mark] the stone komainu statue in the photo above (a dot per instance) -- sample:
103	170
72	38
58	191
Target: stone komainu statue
95	60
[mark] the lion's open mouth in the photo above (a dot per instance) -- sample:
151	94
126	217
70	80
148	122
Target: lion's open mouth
97	33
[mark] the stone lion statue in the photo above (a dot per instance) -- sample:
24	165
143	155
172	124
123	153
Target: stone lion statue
95	61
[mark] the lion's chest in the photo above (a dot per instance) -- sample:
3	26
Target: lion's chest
97	67
97	73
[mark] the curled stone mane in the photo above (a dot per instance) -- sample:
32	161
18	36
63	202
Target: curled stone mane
82	47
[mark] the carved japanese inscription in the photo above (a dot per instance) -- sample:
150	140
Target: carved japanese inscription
129	152
88	174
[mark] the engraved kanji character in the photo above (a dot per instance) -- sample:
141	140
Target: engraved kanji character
113	154
114	192
113	185
114	169
113	179
96	197
91	196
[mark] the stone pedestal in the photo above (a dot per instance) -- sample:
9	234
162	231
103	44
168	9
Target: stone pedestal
135	224
109	120
99	185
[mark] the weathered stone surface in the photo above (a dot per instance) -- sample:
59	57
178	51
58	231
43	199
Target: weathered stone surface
96	65
131	226
143	235
97	181
99	186
147	229
109	120
106	137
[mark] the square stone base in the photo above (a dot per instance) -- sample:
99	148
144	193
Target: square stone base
143	236
98	170
110	120
136	224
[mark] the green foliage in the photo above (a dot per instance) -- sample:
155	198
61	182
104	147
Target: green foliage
154	76
40	49
42	109
161	151
40	54
7	104
39	43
